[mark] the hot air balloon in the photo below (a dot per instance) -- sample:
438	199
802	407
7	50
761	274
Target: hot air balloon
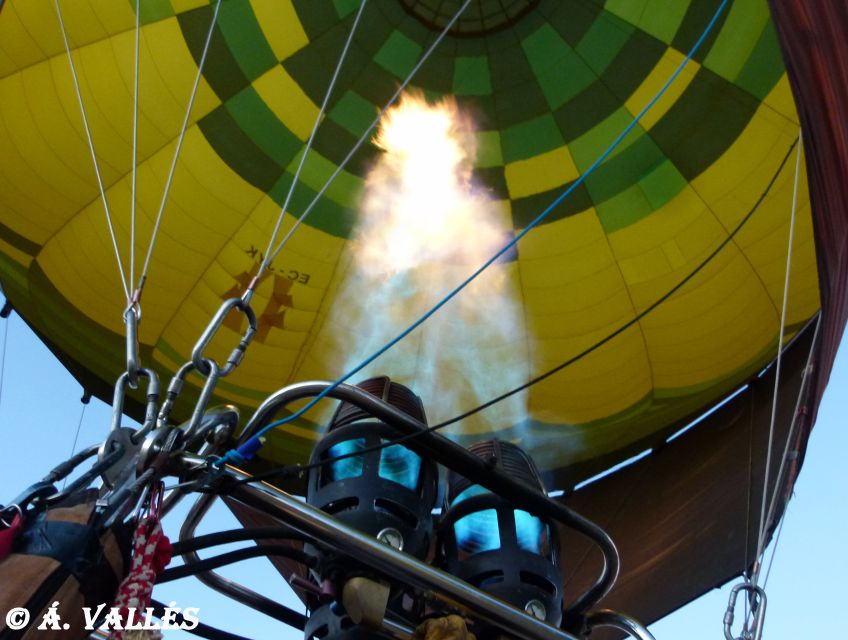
660	181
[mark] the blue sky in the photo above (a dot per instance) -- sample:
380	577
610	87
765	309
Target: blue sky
40	410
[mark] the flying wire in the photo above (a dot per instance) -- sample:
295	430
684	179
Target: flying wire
76	435
267	258
773	419
155	234
134	142
298	469
250	447
93	153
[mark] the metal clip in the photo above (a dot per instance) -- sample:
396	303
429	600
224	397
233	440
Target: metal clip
758	605
35	494
200	362
193	429
152	401
203	400
132	316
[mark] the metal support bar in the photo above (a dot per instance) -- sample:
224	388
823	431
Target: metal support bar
608	618
439	585
228	587
432	445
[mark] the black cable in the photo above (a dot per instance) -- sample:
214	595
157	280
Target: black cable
296	469
234	535
202	630
210	564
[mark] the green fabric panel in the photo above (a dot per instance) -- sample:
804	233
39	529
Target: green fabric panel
764	67
493	178
346	7
602	43
344	189
257	121
585	111
624	209
153	10
316	18
628	10
620	174
246	41
530	138
663	18
221	70
237	149
635	61
560	71
571	18
703	123
21	243
353	112
398	55
697	17
525	210
662	184
489	149
589	147
327	216
565	80
435	75
471	76
623	170
334	143
659	18
742	29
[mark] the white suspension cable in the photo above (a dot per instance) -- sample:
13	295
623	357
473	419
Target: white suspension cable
134	143
785	457
763	524
774	549
76	435
93	153
154	235
365	134
266	260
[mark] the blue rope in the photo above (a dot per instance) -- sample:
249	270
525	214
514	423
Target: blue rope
249	449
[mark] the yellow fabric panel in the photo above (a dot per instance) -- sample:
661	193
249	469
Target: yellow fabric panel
166	76
188	240
734	182
658	76
780	99
44	176
18	47
716	324
765	239
540	173
568	310
650	247
25	40
280	25
181	6
287	100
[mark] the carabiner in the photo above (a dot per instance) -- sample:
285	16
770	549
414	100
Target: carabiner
152	401
203	400
758	605
200	362
132	316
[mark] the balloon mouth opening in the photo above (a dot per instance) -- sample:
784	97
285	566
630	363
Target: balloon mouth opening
480	17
